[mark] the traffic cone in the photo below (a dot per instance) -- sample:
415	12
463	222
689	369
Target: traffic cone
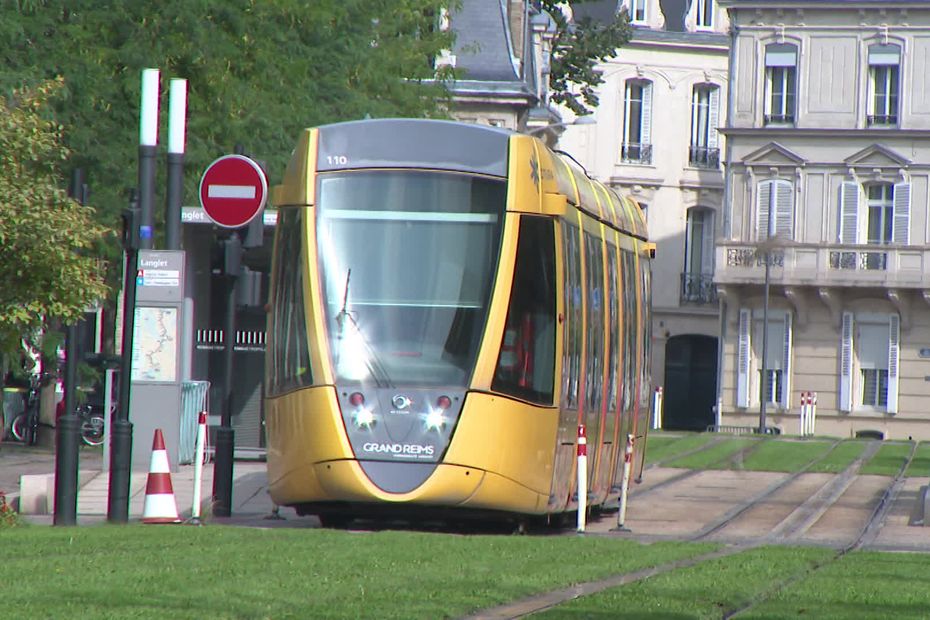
160	505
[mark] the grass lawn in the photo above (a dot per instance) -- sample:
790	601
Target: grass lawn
859	585
712	457
663	447
223	572
889	459
784	455
920	466
840	458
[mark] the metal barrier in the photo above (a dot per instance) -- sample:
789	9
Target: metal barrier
742	430
193	400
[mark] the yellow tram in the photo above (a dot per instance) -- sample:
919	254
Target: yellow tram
448	303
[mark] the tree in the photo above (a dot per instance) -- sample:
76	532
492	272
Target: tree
258	72
577	49
49	243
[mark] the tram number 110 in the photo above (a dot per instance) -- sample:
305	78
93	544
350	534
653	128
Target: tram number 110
337	160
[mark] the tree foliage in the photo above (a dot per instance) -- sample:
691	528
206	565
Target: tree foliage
258	72
48	241
578	47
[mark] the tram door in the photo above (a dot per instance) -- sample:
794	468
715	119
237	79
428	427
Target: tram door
690	382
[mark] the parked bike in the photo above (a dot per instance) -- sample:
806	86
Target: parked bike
25	426
92	424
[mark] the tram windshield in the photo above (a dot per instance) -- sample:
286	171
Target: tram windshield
407	261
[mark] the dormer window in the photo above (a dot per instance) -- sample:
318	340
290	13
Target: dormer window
637	11
781	60
704	14
884	71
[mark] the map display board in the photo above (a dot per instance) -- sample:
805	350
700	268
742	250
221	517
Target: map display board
155	345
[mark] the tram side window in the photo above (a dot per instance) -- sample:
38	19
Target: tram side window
594	376
630	327
571	361
646	305
613	371
526	365
290	358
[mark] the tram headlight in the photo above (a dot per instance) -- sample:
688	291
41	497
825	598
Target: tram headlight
364	417
434	418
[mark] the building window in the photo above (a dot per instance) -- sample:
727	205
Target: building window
705	101
638	11
869	350
697	279
780	83
881	213
775	209
637	125
704	14
773	381
884	62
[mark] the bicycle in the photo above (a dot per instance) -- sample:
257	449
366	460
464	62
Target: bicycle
25	426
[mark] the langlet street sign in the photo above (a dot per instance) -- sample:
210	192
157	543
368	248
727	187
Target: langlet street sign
233	190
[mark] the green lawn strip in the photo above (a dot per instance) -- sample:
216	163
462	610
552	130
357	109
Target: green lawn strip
707	590
784	455
712	457
840	458
920	466
888	460
221	572
859	585
663	447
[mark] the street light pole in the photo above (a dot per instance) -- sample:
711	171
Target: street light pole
765	342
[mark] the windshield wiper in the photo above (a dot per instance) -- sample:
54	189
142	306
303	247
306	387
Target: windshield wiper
372	359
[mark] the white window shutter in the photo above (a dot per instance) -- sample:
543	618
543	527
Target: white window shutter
902	213
742	358
784	399
846	363
784	209
763	203
894	338
713	116
707	251
849	212
646	127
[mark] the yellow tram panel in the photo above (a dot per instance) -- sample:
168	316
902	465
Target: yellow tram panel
299	184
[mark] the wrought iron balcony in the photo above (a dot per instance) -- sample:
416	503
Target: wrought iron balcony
698	288
882	120
636	153
899	266
779	119
704	157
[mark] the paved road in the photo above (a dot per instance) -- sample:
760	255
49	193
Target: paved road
18	460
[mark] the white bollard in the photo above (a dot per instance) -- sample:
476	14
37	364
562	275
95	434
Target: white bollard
582	477
657	409
802	419
813	412
625	483
198	465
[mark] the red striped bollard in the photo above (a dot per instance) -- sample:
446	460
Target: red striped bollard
582	477
198	466
625	484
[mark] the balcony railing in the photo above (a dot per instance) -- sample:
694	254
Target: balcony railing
779	119
636	153
882	119
698	288
817	264
704	157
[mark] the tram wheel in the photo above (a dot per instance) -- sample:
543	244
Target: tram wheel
335	521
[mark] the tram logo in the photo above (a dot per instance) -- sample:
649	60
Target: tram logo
401	402
534	172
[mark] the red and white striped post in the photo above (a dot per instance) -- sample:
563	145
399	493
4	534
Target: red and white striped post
803	416
582	476
813	412
625	483
198	465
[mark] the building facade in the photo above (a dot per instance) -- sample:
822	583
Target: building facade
655	138
827	174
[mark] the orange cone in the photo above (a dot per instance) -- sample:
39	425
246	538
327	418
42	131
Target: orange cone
160	506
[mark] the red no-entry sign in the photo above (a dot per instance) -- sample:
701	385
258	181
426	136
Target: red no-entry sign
233	190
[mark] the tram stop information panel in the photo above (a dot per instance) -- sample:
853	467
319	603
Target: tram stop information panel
155	394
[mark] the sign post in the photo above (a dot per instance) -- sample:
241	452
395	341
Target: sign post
233	191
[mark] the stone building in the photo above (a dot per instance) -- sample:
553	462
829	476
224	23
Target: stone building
827	165
656	139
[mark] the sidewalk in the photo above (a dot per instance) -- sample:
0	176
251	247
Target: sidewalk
250	500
